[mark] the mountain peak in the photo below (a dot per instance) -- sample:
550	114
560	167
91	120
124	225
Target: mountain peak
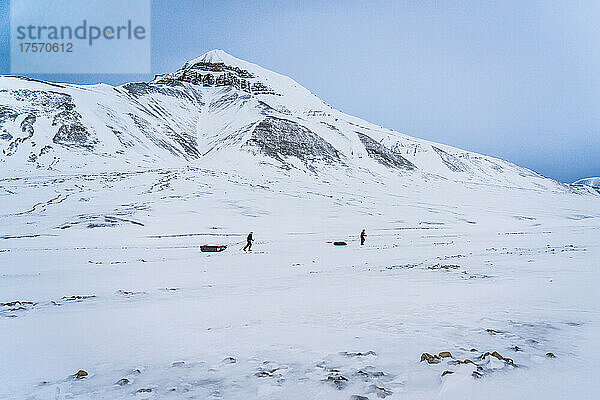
216	56
218	68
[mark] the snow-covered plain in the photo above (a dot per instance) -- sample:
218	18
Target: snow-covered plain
440	267
100	268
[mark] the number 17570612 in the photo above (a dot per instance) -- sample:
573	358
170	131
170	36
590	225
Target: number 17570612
46	47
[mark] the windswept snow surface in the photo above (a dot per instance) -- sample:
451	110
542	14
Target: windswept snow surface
441	266
100	267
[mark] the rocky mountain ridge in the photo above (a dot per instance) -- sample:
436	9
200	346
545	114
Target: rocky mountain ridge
213	110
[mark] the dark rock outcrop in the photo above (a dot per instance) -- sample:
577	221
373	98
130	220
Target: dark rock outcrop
450	161
430	358
173	89
211	74
122	382
337	380
281	138
384	155
81	374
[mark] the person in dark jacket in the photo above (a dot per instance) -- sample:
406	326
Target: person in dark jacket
249	241
363	235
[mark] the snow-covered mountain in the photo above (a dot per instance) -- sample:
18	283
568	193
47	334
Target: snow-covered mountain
216	110
591	182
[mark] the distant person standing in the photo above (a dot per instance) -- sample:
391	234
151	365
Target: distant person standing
363	235
249	241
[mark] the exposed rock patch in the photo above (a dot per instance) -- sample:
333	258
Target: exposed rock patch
77	298
446	267
384	155
215	74
452	162
430	358
81	374
359	354
381	392
337	380
281	138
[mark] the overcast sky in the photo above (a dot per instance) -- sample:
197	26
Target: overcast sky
518	80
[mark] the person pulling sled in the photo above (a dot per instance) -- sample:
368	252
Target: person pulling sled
249	240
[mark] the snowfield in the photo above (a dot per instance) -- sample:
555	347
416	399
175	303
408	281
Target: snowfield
465	271
478	278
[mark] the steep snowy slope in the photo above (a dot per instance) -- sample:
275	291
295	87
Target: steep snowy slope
591	182
213	110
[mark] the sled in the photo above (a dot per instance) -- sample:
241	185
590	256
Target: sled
340	243
212	249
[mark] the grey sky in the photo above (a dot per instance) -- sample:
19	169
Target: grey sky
514	79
